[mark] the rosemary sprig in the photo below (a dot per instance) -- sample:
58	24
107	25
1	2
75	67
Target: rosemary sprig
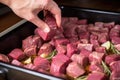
51	55
84	77
110	47
106	69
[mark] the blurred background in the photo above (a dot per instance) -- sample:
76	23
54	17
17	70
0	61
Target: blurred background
8	18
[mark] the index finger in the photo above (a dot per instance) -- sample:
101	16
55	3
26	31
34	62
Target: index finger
55	10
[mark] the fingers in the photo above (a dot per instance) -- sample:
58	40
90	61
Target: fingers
55	10
39	23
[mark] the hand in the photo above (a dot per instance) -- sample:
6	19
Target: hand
29	9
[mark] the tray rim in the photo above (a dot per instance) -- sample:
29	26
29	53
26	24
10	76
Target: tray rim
16	25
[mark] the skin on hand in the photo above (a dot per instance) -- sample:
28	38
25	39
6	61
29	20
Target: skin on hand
29	9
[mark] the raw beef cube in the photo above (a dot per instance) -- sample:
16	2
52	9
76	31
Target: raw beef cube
50	20
115	40
115	65
85	52
96	76
31	41
30	51
59	64
41	63
64	20
61	49
46	49
84	35
114	33
117	46
82	22
74	70
115	75
16	62
30	66
96	57
99	24
93	37
96	67
48	34
109	25
81	28
73	39
59	34
85	46
111	58
84	41
61	41
103	37
80	59
73	19
71	49
70	30
100	49
17	54
4	58
95	43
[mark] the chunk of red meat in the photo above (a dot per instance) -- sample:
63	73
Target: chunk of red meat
64	20
85	46
61	41
93	37
59	34
99	24
109	25
70	30
93	28
61	49
115	65
48	34
114	33
41	63
85	52
82	22
111	58
4	58
96	57
95	43
84	41
115	75
96	67
84	35
103	37
73	19
59	64
97	76
46	49
74	70
117	46
31	41
80	59
17	54
71	49
100	49
81	28
16	62
30	51
115	40
30	66
73	39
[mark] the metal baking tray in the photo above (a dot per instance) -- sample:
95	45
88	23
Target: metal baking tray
13	36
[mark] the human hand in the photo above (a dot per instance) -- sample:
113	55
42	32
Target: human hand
29	9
